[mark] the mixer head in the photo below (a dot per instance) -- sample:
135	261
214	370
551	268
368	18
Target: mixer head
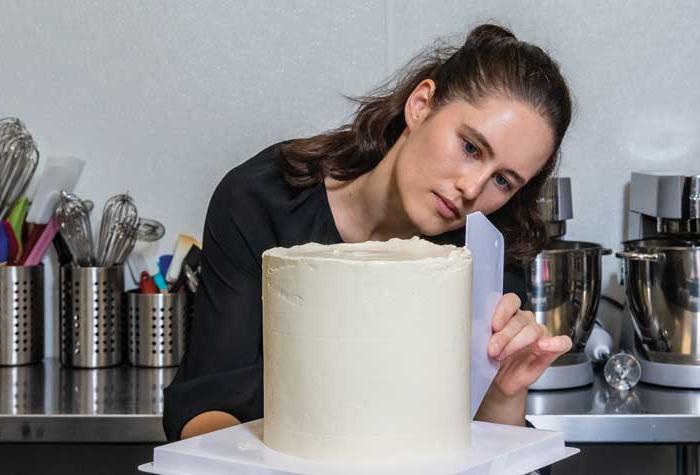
555	205
665	204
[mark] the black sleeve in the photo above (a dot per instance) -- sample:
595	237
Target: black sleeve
222	369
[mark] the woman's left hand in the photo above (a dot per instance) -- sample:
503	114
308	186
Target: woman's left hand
524	347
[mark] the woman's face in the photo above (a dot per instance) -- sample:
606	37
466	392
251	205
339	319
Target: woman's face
464	157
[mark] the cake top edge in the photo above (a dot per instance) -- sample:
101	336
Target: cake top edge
393	250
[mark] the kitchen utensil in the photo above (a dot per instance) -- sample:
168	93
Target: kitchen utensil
662	286
160	282
118	229
563	284
486	245
192	260
125	237
4	246
17	215
182	247
659	266
62	250
13	246
89	205
21	315
19	158
34	232
495	449
555	206
92	324
622	371
60	174
164	263
42	244
600	343
149	230
74	220
158	324
563	288
146	284
192	277
137	266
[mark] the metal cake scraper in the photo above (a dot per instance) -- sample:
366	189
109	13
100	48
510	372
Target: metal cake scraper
485	243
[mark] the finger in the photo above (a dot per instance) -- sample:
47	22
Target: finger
524	338
500	339
538	361
555	344
506	308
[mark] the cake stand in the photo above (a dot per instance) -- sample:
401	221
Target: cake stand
496	450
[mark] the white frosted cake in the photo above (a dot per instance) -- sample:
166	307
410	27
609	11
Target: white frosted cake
366	349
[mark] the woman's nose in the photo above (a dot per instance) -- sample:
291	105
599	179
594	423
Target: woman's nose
470	185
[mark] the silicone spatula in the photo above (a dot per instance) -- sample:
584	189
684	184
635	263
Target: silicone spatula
146	285
4	246
42	244
34	233
17	215
164	263
60	174
485	243
13	246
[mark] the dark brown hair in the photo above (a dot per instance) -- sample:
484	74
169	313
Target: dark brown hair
492	61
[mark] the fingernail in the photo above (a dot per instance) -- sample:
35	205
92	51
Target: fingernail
493	348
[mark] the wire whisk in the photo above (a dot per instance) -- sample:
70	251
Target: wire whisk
120	228
120	220
19	158
74	220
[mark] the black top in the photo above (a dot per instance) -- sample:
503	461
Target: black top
251	210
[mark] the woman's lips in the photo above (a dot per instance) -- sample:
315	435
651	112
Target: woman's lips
446	209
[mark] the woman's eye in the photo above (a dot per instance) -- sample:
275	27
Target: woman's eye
470	148
502	182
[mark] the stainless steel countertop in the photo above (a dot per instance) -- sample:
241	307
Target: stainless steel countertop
599	414
49	403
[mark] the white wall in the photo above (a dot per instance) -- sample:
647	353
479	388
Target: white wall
162	98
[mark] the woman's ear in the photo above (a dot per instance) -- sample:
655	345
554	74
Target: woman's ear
418	105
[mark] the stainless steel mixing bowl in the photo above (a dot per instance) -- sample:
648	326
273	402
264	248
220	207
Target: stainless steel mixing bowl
563	288
662	284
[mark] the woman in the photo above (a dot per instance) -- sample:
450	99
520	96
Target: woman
476	128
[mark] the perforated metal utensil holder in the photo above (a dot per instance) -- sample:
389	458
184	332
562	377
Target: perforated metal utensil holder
21	315
158	326
92	321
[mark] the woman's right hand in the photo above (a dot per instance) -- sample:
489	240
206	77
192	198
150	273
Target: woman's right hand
207	422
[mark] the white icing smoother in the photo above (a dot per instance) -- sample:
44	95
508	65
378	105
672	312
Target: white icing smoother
366	349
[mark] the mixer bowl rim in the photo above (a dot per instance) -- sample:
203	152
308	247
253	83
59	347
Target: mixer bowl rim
588	247
639	245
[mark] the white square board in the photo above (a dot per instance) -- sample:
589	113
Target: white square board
496	450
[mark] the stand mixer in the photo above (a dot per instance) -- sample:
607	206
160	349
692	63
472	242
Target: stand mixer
563	287
661	273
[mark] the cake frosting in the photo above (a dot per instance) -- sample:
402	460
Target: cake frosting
366	349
